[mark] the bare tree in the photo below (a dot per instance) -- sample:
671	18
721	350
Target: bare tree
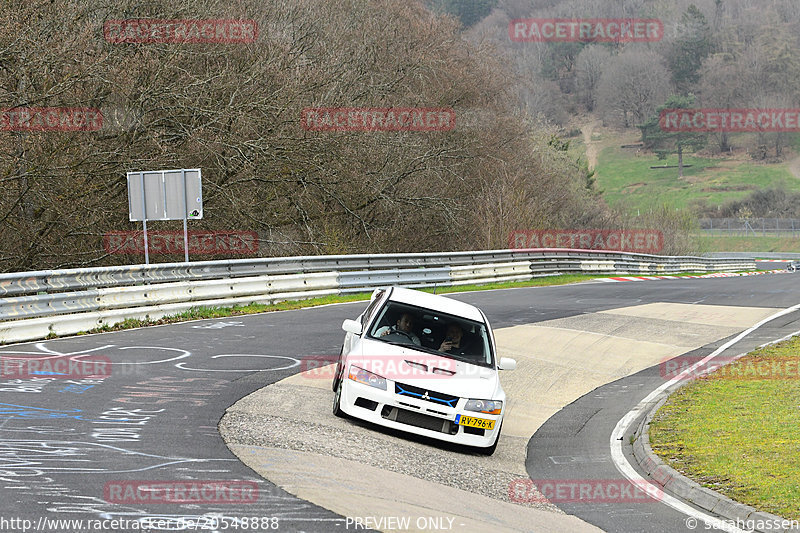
589	68
632	86
721	87
234	111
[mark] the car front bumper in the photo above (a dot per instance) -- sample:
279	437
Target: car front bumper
413	415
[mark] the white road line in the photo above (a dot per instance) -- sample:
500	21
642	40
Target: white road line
621	429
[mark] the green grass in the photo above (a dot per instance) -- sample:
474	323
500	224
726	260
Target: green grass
628	181
198	313
715	243
739	436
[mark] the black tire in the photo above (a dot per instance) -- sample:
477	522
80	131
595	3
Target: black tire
337	377
337	410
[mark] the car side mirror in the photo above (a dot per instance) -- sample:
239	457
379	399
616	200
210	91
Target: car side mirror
352	326
506	363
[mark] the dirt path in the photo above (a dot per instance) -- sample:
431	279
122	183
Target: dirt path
592	147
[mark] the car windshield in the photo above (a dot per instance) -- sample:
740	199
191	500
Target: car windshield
433	332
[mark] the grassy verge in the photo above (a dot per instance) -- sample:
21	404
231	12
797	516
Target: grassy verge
198	313
736	433
717	243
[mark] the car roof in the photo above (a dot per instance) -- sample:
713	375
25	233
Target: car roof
436	303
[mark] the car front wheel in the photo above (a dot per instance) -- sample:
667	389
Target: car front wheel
337	398
337	377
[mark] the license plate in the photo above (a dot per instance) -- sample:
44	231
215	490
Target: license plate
471	421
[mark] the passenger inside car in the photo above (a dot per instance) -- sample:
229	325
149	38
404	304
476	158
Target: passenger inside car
456	342
452	340
435	332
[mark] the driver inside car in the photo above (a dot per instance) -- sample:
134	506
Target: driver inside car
403	327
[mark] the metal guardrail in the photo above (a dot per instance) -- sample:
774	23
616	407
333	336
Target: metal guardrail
756	255
14	284
34	305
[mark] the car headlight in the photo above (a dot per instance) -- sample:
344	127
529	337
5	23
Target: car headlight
366	377
490	407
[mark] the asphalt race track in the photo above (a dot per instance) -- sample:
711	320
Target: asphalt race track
64	442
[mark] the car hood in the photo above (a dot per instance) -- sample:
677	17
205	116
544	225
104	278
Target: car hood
428	371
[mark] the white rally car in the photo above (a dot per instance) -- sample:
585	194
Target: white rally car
423	364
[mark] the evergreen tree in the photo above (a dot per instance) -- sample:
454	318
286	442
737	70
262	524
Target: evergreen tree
689	50
663	142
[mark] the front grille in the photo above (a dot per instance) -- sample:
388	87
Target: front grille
424	394
419	420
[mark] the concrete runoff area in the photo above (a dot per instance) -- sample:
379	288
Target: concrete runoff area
366	495
287	434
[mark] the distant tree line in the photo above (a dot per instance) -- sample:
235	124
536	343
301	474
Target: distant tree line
721	53
774	202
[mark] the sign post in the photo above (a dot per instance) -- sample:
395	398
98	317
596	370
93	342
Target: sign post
144	221
165	195
185	214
